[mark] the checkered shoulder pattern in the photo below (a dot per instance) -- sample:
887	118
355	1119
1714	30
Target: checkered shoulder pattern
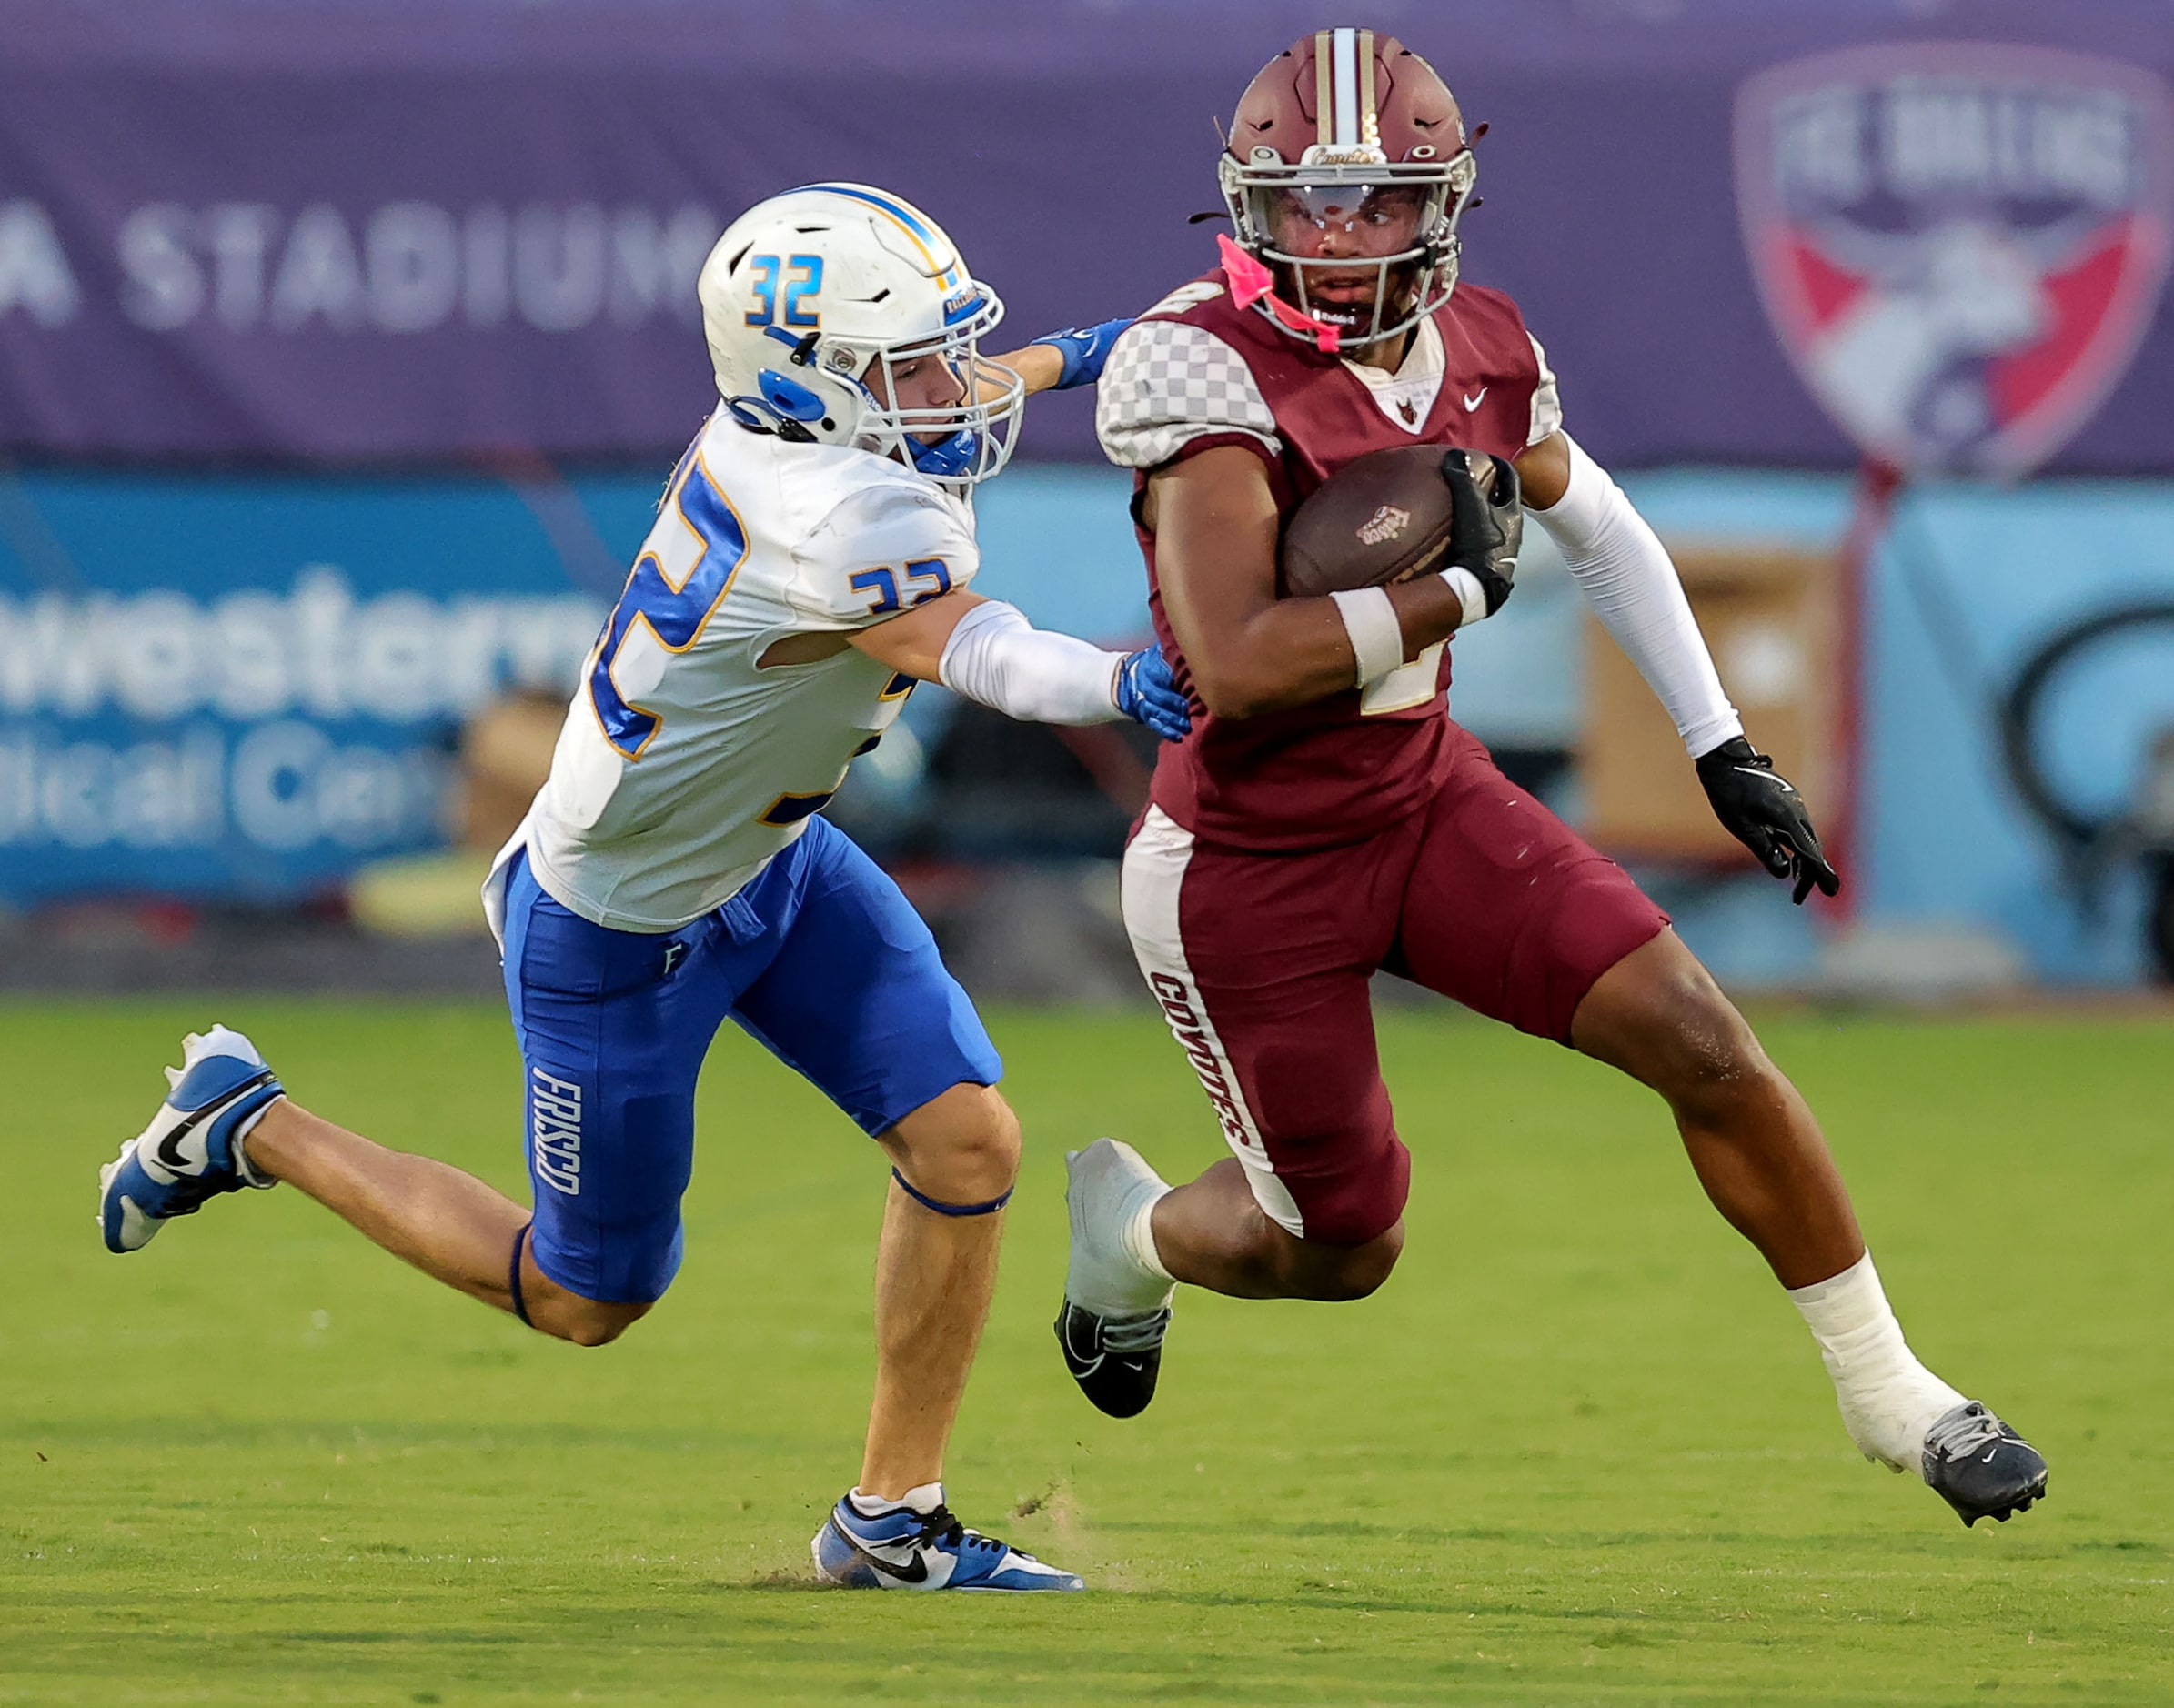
1168	383
1547	404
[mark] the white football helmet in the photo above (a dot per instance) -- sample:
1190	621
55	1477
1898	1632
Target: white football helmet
806	292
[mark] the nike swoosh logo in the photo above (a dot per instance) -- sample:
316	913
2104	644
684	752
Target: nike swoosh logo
1083	1368
917	1572
1473	400
1081	1364
169	1151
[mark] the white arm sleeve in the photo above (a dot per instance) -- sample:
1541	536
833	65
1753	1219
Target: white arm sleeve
1620	565
996	656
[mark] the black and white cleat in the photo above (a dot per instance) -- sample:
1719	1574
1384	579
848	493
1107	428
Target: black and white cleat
1114	1358
1980	1466
1116	1309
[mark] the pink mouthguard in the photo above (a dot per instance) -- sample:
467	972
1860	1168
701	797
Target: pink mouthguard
1252	282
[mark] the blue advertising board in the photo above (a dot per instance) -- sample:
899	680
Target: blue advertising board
249	686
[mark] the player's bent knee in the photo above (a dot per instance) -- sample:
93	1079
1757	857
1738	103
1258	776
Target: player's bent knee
1659	1016
1335	1274
550	1309
1713	1059
600	1331
590	1321
961	1147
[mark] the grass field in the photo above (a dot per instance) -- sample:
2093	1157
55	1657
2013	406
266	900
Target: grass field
1578	1450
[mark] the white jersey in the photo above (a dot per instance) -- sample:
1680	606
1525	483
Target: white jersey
684	765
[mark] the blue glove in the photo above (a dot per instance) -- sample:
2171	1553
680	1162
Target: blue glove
1145	691
1084	350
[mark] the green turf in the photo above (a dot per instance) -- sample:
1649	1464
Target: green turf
1579	1450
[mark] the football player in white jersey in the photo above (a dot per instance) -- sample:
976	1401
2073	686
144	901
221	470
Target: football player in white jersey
811	561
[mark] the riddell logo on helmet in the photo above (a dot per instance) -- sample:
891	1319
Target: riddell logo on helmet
1385	525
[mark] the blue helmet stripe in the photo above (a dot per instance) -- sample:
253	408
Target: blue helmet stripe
903	214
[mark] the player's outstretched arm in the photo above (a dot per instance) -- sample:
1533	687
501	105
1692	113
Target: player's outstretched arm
1215	524
1624	572
987	650
1057	361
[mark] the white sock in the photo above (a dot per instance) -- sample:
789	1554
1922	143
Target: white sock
1888	1398
1137	1237
926	1498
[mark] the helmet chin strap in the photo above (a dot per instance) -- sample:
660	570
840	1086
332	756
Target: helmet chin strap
759	414
950	459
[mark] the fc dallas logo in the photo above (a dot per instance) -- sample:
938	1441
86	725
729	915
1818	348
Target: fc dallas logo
1959	244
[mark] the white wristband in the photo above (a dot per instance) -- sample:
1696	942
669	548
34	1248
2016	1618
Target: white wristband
1467	587
1377	638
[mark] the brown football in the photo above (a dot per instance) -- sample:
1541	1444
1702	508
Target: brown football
1379	518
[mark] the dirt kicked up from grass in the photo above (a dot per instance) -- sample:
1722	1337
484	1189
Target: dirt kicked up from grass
1579	1450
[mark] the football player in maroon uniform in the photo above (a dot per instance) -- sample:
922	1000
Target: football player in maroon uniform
1325	818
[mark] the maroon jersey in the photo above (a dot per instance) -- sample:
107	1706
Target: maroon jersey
1197	371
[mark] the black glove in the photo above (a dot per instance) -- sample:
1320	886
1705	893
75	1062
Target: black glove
1764	812
1486	524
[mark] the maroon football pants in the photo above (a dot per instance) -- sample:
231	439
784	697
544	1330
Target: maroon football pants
1260	962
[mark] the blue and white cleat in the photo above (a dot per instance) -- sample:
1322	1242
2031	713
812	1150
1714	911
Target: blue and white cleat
189	1153
917	1544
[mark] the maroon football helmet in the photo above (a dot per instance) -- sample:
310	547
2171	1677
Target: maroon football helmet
1347	172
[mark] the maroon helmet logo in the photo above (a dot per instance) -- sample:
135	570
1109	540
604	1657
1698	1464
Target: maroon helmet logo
1960	244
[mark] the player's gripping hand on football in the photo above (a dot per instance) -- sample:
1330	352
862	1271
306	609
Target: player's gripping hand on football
1764	812
1058	361
1486	529
1254	645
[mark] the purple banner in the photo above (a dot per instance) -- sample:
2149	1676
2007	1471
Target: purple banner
340	232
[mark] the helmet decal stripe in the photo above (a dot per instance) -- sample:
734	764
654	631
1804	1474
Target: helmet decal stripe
1347	87
1370	117
903	218
1324	90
